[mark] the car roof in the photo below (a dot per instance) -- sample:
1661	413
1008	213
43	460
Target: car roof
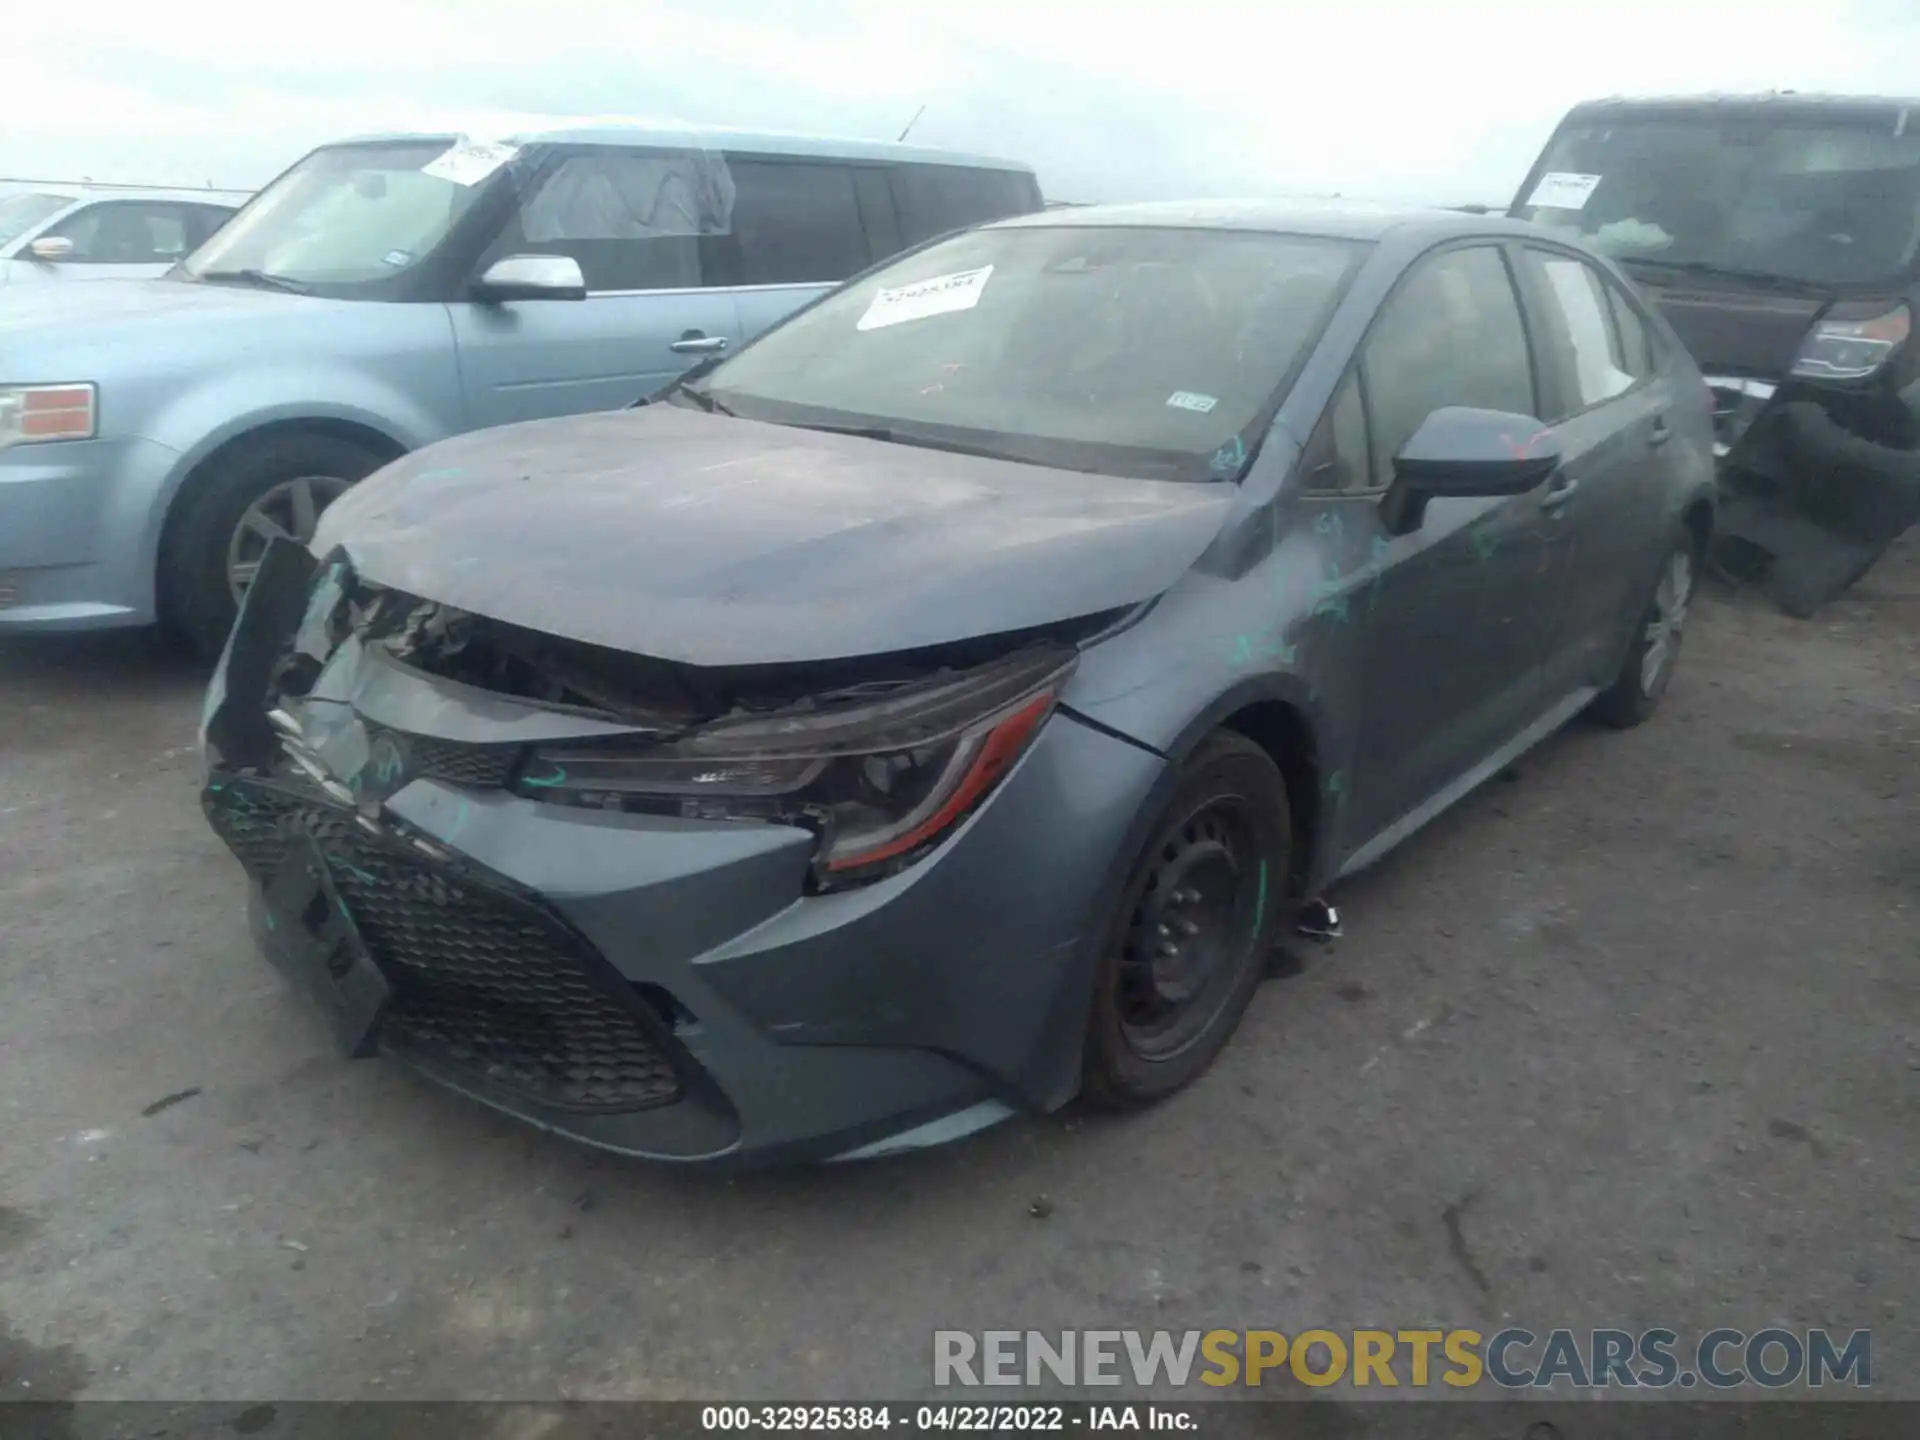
87	190
1770	102
1346	220
718	137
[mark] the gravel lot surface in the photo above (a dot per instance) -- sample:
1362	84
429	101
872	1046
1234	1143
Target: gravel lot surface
1631	1040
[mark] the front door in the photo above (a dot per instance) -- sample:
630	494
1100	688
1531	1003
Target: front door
1454	642
626	216
120	240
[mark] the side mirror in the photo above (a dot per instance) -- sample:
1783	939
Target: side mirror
51	248
1462	452
531	277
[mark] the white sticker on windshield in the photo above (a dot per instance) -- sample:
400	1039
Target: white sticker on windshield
939	296
1563	190
1188	400
468	163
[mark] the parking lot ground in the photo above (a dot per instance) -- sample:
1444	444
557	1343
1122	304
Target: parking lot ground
1631	1040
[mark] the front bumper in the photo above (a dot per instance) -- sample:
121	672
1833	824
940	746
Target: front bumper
665	988
1816	482
78	529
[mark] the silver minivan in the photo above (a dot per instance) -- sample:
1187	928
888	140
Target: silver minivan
387	292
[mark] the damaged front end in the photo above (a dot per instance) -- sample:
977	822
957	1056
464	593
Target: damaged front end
396	778
1819	465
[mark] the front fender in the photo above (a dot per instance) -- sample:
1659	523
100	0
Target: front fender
210	413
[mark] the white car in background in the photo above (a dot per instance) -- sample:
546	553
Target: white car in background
52	232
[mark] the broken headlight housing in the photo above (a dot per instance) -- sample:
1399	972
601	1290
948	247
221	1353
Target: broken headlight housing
881	774
1852	347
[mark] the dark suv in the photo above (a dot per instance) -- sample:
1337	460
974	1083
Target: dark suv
1778	234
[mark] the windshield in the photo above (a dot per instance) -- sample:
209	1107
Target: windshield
20	213
345	217
1158	353
1826	204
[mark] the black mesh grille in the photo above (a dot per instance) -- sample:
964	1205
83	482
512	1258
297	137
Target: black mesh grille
478	767
484	978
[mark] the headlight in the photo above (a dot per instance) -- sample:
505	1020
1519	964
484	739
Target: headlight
1844	349
45	412
879	780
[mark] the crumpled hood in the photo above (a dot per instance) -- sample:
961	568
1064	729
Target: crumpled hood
98	308
713	541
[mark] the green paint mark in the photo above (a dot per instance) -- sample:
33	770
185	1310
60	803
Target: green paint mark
1484	544
1249	648
272	924
1337	783
545	782
1260	904
356	872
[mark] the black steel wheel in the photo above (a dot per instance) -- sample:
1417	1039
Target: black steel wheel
1193	928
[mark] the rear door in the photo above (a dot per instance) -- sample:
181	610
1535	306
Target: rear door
800	227
1601	393
632	218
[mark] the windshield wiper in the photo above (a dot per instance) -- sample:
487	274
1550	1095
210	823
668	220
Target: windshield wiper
1768	278
266	279
699	397
891	436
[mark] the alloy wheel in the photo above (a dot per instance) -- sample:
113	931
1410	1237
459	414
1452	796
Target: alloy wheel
1670	600
289	511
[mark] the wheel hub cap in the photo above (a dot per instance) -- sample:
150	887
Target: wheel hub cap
1187	931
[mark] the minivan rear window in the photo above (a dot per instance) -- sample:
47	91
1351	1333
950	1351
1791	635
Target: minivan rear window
933	199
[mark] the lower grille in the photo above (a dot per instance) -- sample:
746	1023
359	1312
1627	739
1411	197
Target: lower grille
484	978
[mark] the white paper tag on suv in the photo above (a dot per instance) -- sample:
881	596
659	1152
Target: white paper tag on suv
941	295
1563	190
469	162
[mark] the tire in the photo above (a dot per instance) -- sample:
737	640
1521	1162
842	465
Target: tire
1636	691
196	594
1214	874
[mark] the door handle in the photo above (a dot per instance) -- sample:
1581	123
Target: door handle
694	343
1660	431
1560	493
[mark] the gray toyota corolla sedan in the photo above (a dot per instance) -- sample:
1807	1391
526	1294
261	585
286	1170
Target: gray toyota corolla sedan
938	709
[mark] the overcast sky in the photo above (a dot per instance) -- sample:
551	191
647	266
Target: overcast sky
1387	98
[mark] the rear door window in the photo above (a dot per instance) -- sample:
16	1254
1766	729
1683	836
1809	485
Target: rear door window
1637	351
1582	339
796	222
933	199
1451	334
